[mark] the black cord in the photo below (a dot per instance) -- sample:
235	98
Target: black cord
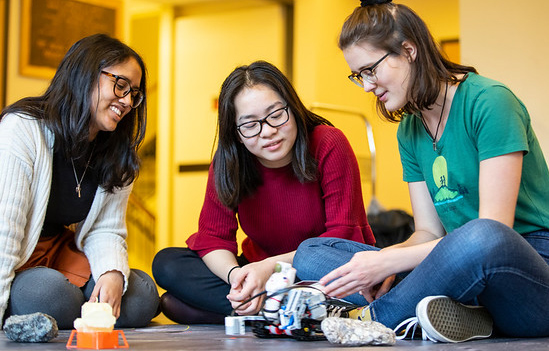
248	300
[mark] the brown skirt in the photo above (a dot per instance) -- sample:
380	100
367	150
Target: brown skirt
59	252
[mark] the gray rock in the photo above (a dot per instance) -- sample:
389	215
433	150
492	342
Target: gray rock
352	332
35	327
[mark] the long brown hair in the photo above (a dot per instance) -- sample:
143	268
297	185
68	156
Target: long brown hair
387	26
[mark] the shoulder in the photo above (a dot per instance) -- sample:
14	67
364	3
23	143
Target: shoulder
22	131
486	97
323	134
13	121
477	87
329	142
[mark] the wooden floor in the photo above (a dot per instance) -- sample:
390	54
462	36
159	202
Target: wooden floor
161	336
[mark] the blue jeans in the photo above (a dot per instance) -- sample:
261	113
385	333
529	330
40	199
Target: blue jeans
483	262
46	290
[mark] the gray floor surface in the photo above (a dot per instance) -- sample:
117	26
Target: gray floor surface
212	337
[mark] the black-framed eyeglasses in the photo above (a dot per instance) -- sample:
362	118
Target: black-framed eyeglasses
367	74
122	87
274	119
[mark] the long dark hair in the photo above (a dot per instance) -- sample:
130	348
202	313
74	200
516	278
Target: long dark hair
236	173
386	26
65	108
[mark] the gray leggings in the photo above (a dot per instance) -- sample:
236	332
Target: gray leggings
46	290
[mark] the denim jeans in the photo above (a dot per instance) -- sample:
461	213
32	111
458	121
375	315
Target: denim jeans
483	262
46	290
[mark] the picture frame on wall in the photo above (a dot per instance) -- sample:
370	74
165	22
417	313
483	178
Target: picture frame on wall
50	27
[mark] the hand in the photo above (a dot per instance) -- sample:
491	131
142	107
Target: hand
109	288
362	273
247	282
379	290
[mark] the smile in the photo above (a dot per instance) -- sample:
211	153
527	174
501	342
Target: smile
382	96
272	145
116	110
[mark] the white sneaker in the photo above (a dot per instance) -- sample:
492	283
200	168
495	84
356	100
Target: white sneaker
445	320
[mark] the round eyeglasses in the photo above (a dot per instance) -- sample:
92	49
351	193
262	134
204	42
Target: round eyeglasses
274	119
122	87
366	74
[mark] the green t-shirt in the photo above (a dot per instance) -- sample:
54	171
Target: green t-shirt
486	120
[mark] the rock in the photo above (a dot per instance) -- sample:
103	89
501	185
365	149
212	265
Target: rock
35	327
353	332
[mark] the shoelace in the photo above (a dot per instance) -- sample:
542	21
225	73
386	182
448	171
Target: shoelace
363	312
411	324
336	311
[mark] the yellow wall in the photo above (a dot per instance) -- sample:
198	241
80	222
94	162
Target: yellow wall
507	41
208	46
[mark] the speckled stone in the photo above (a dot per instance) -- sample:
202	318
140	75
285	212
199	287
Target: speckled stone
352	332
35	327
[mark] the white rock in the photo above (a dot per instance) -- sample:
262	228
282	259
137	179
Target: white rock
352	332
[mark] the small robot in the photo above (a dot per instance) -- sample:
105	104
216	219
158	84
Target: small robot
290	310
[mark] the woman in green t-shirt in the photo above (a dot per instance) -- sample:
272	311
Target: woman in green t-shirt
478	184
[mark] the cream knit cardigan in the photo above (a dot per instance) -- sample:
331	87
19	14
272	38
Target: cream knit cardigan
26	158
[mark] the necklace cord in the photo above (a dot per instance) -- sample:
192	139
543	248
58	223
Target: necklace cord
439	120
78	188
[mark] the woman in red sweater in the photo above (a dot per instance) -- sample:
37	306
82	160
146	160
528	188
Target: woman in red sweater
284	174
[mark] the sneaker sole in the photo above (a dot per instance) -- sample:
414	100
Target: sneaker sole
450	321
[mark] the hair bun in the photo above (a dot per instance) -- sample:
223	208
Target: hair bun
365	3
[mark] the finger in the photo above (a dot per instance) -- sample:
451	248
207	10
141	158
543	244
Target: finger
240	308
367	295
238	296
340	285
116	309
238	278
94	297
250	308
384	288
345	291
104	297
333	275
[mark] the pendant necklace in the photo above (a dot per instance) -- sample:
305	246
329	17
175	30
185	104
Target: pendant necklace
78	188
439	121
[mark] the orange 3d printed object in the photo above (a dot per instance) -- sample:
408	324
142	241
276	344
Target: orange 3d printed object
95	329
97	340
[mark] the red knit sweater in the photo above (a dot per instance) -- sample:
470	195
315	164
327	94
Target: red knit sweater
283	212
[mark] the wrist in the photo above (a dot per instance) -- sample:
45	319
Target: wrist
229	274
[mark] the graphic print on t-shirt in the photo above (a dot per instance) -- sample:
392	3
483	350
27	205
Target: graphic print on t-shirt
444	194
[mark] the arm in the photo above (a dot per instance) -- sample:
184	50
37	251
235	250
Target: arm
499	182
25	174
102	237
14	193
